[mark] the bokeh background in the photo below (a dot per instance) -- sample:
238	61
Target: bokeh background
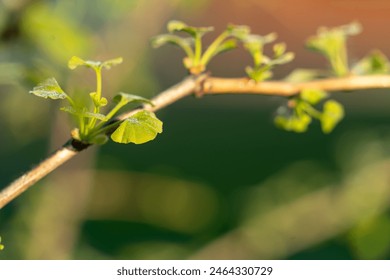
221	182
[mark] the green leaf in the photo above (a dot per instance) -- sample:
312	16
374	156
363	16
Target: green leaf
82	112
332	44
279	49
313	96
184	43
258	75
352	28
253	42
140	128
130	98
178	26
1	245
374	63
332	114
49	89
111	62
293	123
330	40
163	39
263	64
238	31
75	61
252	45
283	59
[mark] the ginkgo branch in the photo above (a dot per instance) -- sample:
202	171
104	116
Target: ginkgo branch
200	85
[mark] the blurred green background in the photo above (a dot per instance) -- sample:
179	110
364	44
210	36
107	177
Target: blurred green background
221	181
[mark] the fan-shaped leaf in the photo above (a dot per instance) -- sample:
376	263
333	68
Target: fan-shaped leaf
374	63
140	128
75	61
163	39
294	123
333	113
283	59
49	89
176	25
238	31
111	62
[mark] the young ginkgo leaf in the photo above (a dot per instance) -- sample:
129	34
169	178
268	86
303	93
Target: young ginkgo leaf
129	98
238	31
49	89
75	61
163	39
138	129
333	113
352	28
254	42
293	123
83	113
374	63
258	75
283	59
279	49
332	44
176	25
111	62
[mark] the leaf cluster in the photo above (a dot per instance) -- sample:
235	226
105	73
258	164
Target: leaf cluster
93	126
332	43
263	64
299	112
197	58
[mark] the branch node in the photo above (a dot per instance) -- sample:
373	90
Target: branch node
200	86
77	145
